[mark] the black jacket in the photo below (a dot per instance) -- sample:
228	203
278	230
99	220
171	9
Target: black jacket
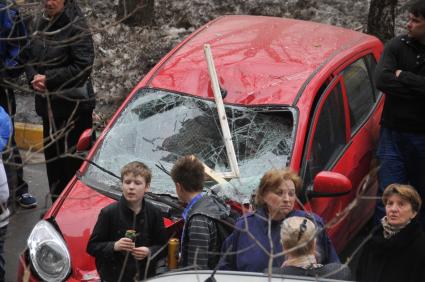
329	271
200	238
400	258
114	220
405	95
62	49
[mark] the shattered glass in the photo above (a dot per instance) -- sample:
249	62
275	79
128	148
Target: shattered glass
157	127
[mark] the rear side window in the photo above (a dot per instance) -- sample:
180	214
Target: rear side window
360	92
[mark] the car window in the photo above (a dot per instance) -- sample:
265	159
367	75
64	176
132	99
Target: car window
371	64
360	92
330	133
157	127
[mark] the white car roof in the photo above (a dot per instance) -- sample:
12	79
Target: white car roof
231	276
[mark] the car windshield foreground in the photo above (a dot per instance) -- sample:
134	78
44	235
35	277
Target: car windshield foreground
157	126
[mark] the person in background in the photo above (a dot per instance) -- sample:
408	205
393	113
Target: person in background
400	74
13	28
110	244
298	236
5	133
257	234
60	60
200	240
396	251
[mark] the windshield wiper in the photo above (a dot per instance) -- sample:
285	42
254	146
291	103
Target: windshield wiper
162	168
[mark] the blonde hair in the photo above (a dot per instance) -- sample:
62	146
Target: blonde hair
406	192
298	233
272	179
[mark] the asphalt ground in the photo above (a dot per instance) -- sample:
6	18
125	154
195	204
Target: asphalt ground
23	220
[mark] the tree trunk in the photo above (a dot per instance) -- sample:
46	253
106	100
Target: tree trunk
381	19
136	12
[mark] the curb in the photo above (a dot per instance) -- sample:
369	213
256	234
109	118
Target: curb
29	136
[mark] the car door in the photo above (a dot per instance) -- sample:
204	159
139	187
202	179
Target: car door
365	107
327	140
342	138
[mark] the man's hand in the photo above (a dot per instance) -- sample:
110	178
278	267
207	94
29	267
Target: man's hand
140	253
39	83
124	244
397	73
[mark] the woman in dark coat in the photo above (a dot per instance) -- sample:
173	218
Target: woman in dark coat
257	235
396	251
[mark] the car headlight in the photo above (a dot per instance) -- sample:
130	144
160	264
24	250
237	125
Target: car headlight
48	252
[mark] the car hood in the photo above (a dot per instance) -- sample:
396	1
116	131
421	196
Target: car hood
76	217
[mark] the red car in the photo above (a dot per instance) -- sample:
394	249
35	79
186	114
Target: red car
296	93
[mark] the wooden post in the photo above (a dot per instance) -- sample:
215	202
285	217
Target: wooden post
231	155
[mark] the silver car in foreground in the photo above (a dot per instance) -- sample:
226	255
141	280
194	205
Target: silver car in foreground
231	276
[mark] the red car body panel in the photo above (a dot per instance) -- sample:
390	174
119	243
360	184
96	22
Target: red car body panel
259	61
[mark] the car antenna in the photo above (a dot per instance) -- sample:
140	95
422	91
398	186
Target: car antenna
227	137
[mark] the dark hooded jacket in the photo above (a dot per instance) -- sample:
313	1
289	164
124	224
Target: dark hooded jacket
200	238
400	258
114	220
62	49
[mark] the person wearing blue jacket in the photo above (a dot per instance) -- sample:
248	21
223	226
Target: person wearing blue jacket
257	235
5	129
13	28
5	133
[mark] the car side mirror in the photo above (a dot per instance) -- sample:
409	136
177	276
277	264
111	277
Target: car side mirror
330	184
85	141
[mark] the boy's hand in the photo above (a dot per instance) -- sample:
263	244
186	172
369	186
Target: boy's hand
140	253
124	244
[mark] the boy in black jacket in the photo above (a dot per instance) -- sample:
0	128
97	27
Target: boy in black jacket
118	256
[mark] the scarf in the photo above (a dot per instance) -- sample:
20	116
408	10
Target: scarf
391	230
306	262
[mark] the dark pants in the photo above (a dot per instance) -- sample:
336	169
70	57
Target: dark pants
59	149
402	160
3	231
11	157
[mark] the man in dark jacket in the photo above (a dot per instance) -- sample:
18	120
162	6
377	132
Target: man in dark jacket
13	28
200	240
400	74
117	255
61	57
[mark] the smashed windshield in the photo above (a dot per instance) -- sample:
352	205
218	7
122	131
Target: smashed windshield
158	127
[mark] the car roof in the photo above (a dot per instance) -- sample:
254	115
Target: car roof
259	60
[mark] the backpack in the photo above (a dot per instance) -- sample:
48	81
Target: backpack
226	226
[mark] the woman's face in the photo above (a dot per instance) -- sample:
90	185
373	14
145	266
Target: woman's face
281	201
399	211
